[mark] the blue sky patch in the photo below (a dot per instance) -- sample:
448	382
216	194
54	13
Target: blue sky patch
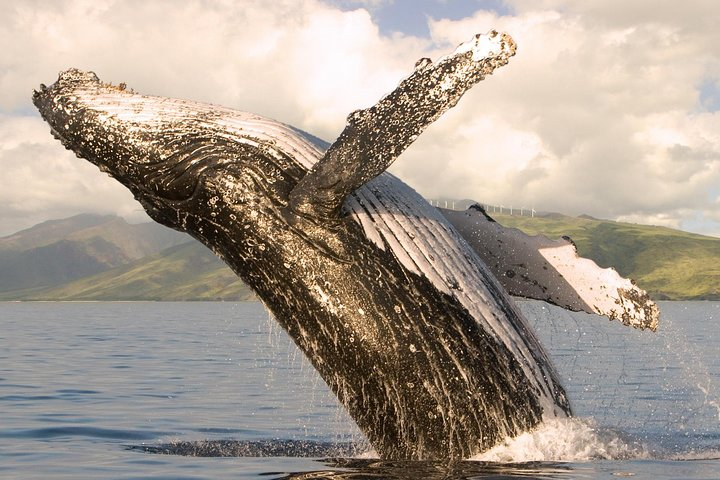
710	95
410	17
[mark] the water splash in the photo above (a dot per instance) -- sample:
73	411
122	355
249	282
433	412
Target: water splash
561	440
710	398
694	367
566	440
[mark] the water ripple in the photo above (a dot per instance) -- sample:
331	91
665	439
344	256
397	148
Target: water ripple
254	448
77	431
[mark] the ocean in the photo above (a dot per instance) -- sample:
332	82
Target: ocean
155	390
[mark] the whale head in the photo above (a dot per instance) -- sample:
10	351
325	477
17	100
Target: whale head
174	155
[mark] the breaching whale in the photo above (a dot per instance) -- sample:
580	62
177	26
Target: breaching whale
398	313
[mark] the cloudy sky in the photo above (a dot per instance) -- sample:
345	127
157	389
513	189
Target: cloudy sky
610	108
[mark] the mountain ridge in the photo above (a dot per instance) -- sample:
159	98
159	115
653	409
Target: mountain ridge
185	272
64	250
91	257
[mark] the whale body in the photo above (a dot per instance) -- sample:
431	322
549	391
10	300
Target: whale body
397	312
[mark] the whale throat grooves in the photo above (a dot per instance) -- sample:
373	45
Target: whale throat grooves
401	318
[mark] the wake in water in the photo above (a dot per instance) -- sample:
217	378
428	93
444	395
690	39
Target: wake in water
254	448
571	440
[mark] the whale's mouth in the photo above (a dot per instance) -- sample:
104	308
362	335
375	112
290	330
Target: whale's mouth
124	135
48	101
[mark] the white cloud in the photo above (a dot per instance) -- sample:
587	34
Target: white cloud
304	63
598	113
604	113
43	181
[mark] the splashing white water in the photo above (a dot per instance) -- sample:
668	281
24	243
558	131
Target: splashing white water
706	390
560	440
564	440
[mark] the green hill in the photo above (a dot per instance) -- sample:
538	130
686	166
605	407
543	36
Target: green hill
185	272
104	258
669	264
60	251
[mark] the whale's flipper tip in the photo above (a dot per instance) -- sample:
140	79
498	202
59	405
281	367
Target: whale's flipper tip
550	270
374	137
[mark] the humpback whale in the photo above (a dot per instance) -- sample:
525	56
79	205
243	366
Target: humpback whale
397	311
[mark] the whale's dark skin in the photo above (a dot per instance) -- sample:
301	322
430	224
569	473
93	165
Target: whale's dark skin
418	369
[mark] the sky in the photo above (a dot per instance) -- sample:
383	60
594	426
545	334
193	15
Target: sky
609	108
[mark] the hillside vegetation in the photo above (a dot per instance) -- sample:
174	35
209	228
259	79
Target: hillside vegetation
90	257
61	251
186	272
102	257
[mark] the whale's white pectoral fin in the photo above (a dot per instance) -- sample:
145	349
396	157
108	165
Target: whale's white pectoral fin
551	270
374	137
603	289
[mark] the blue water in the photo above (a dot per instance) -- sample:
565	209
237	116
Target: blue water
107	390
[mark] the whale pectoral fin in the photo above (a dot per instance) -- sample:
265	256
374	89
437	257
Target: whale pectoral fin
375	137
550	270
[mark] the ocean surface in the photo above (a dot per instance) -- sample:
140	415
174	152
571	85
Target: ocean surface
216	390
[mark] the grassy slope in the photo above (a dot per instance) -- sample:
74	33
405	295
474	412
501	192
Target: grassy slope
60	251
185	272
669	264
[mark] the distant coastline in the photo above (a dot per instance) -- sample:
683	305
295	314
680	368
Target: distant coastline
103	258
